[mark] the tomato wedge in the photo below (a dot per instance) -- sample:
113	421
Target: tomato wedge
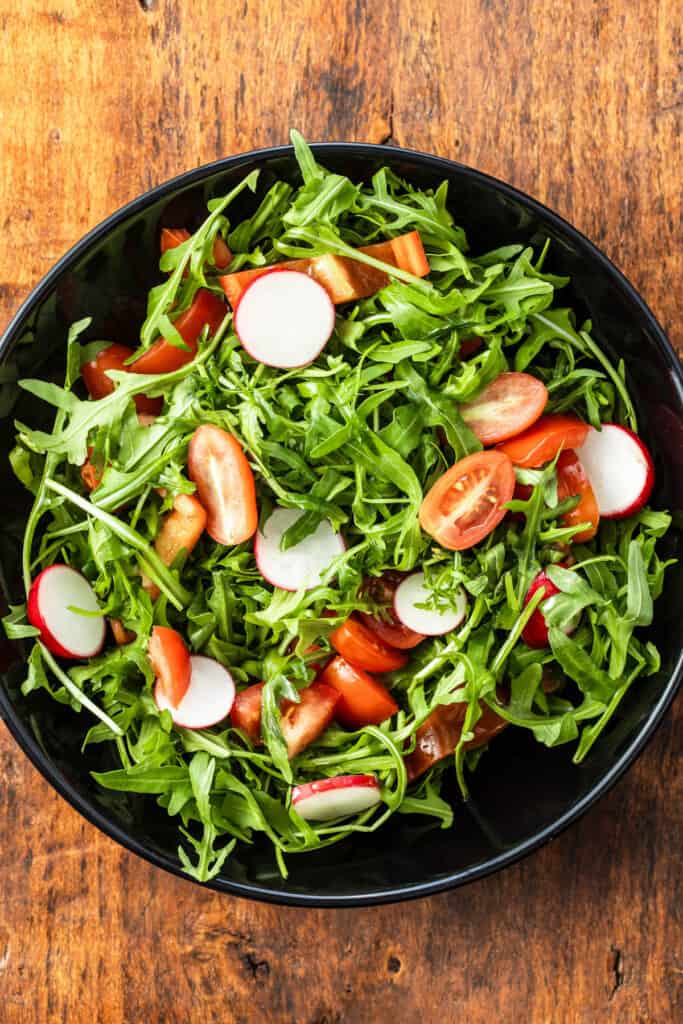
541	443
508	405
572	480
364	649
381	590
363	701
163	357
467	502
170	660
301	723
225	484
99	385
438	735
171	237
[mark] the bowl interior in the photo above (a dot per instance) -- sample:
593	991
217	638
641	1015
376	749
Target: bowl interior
521	793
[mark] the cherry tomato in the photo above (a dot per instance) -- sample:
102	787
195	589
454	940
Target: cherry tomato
363	701
163	357
438	735
301	723
364	649
225	484
542	442
381	590
170	660
535	633
506	407
171	237
467	502
99	385
572	480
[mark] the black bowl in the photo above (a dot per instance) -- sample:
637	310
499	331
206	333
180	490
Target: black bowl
522	795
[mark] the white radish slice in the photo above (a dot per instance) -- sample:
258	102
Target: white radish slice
301	566
208	699
54	593
284	319
412	592
619	468
336	798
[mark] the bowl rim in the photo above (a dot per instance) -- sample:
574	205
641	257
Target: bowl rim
389	894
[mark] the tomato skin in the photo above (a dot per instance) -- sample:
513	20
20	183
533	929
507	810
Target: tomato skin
508	405
381	589
301	723
439	734
535	633
225	484
171	237
99	385
467	502
170	660
162	357
364	649
91	475
541	443
363	700
572	480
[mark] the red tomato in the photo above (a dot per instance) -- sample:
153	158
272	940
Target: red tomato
163	357
571	480
180	531
542	442
467	502
363	701
506	407
301	723
90	474
99	385
170	660
381	589
225	484
438	735
364	649
171	237
122	636
535	633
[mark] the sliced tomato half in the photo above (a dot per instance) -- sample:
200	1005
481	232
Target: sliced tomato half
439	734
163	357
99	385
225	484
170	660
572	480
508	405
364	648
301	723
548	436
363	701
467	502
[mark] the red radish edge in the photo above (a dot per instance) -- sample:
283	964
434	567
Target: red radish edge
619	468
284	318
65	633
208	699
341	796
298	567
535	633
411	592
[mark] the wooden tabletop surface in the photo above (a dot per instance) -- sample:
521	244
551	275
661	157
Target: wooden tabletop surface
580	104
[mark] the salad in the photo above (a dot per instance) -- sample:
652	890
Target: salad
360	501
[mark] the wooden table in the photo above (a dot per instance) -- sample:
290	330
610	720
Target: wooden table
580	104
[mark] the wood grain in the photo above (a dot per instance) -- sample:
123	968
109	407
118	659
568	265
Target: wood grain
581	105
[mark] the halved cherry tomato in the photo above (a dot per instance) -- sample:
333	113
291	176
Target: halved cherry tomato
163	357
301	723
438	735
180	531
467	502
572	480
170	660
364	649
99	385
381	590
535	633
364	701
225	484
506	407
171	237
542	442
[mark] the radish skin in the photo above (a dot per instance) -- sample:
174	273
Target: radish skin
54	592
619	468
338	797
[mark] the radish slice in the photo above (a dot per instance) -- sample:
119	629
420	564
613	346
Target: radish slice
413	592
54	592
284	319
208	699
299	567
336	798
619	468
